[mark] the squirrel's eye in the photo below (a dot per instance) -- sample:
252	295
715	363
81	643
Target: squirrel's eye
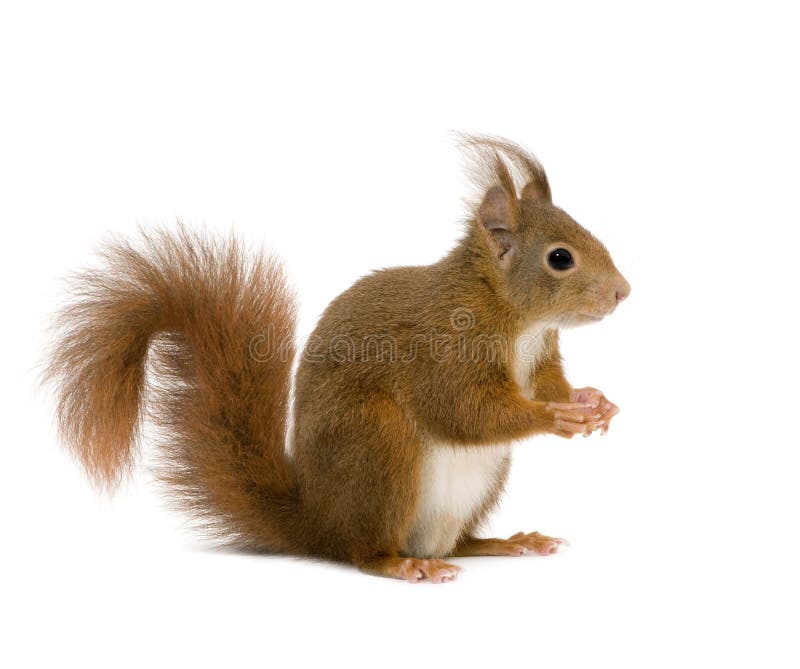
560	259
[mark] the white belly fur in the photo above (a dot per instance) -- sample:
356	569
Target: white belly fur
457	479
455	483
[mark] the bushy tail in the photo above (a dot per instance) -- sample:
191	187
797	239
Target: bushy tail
216	326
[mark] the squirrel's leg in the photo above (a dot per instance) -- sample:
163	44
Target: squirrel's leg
497	414
411	569
380	490
549	382
362	465
519	544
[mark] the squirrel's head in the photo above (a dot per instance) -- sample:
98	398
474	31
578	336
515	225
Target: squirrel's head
552	269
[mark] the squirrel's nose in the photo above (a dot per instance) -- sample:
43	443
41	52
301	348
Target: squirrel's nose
623	290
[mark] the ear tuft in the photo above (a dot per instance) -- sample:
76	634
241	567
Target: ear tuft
521	167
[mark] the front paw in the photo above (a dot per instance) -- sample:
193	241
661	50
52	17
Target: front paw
574	418
606	409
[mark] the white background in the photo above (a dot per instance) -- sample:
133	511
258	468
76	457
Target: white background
322	131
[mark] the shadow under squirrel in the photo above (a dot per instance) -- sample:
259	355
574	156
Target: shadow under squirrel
414	384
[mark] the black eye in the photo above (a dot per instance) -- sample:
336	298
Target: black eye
560	259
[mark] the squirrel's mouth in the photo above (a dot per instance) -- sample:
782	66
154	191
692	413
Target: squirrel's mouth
597	316
578	318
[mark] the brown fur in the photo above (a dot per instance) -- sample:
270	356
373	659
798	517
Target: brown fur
363	422
194	304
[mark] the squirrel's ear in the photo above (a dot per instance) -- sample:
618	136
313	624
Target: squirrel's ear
496	220
537	191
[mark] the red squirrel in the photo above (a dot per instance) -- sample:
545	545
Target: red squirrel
407	396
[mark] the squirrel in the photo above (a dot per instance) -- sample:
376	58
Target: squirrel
406	399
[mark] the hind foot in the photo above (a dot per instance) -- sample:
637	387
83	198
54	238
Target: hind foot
516	545
413	570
